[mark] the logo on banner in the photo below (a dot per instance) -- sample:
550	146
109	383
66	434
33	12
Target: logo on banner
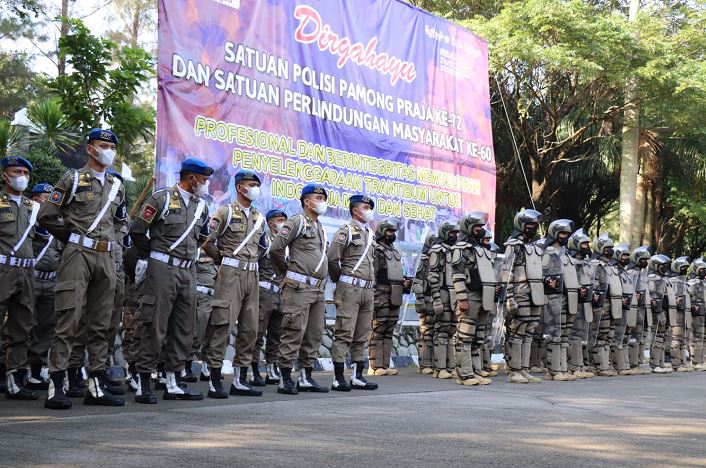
235	4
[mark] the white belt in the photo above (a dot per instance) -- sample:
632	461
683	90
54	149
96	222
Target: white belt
17	262
245	266
44	275
269	286
205	290
169	260
357	282
98	246
305	279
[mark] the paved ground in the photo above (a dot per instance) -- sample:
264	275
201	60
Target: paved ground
411	421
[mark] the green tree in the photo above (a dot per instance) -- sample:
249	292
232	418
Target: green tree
10	136
54	133
18	83
47	168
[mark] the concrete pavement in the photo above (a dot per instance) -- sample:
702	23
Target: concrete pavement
412	420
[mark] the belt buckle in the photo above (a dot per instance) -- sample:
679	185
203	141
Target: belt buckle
101	246
14	261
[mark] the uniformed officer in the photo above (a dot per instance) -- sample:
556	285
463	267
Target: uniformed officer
425	308
47	255
697	290
351	267
623	325
525	295
18	216
206	271
443	299
177	221
662	304
391	284
83	211
305	270
474	283
642	320
682	325
236	230
270	329
580	251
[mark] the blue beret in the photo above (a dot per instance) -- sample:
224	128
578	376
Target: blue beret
103	135
311	189
15	161
42	188
361	199
114	173
274	213
196	166
247	175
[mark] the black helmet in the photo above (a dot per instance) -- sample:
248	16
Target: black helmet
385	225
474	218
525	217
446	228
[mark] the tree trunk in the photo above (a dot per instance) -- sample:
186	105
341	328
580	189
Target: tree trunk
630	157
649	225
64	30
638	224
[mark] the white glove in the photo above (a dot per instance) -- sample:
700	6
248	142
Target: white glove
140	271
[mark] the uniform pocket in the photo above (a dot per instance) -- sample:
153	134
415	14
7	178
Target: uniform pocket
220	312
292	321
146	311
65	296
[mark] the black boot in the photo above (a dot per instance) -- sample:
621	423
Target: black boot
286	385
339	380
144	392
272	374
97	393
15	386
56	398
307	384
215	387
256	377
178	390
36	381
75	375
3	371
358	382
188	375
240	385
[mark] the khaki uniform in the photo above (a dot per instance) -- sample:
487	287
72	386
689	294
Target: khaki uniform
206	271
17	294
165	318
388	300
85	285
236	294
425	311
119	296
303	319
48	254
350	266
270	310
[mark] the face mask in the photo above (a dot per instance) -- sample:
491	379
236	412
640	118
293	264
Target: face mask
391	239
18	183
683	270
480	234
530	232
253	193
608	253
452	238
105	156
320	208
642	263
279	226
367	215
201	190
702	274
586	251
563	241
625	261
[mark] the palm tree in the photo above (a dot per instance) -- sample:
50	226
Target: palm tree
54	132
10	136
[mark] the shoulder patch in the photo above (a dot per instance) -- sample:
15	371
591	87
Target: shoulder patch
215	222
147	214
57	196
341	238
285	231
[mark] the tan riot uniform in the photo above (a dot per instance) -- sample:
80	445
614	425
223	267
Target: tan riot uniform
607	308
351	267
305	271
234	243
165	318
681	324
425	311
17	294
85	285
388	300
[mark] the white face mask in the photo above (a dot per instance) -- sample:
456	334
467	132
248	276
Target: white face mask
279	226
320	208
201	190
18	183
105	156
368	215
253	193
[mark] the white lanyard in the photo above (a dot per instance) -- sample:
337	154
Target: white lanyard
367	247
197	215
258	223
32	221
111	196
44	250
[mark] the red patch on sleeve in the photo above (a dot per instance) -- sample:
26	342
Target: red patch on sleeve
148	213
